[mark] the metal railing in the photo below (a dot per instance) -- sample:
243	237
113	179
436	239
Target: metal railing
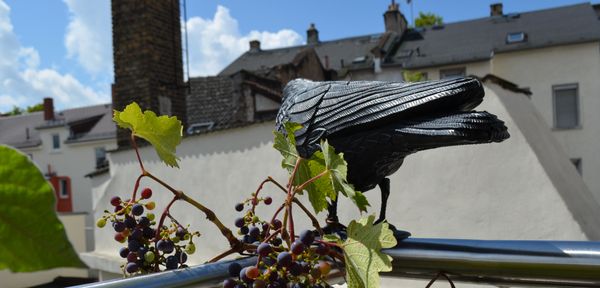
500	263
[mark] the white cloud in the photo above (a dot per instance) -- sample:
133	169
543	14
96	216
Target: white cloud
88	37
23	83
214	43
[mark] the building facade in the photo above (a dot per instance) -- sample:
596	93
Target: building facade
555	53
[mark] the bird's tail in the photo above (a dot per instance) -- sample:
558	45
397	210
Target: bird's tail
454	129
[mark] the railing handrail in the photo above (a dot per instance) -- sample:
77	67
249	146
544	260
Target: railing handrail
496	262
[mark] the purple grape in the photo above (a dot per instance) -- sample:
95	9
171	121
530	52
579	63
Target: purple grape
239	207
123	252
144	221
162	245
269	261
284	259
119	226
264	249
244	230
181	257
240	222
137	209
171	263
234	269
276	224
229	283
259	284
149	233
136	234
133	245
254	232
115	201
180	232
132	267
276	241
243	276
297	247
132	257
129	222
307	237
295	269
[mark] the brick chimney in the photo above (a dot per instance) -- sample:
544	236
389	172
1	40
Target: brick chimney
48	109
394	20
496	9
147	57
254	46
312	35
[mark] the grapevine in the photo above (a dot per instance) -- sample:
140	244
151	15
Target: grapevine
285	258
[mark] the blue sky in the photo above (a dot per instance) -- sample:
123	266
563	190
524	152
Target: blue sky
63	48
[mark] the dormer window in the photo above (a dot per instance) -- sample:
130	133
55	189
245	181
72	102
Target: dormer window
516	37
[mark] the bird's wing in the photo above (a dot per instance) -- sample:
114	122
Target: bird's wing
323	108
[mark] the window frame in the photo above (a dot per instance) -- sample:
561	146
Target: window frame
56	141
64	187
463	69
568	86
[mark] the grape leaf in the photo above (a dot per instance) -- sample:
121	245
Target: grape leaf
362	252
163	132
32	236
327	160
338	170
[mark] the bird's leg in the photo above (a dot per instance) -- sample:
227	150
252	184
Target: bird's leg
333	223
384	185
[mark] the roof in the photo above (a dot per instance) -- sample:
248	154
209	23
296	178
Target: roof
479	39
90	123
331	53
459	42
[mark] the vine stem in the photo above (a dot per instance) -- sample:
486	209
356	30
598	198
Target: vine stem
210	215
136	187
137	152
255	198
312	217
313	179
288	201
163	216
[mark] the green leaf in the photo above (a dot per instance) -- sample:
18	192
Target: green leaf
287	145
32	238
338	170
164	132
327	160
362	252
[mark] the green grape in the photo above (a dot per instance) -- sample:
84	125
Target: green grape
190	248
101	222
150	216
149	256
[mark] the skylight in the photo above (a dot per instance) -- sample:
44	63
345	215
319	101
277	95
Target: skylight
516	37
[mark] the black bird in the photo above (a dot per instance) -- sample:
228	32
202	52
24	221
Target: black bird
376	124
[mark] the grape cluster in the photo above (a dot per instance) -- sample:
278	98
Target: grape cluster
253	230
146	250
304	264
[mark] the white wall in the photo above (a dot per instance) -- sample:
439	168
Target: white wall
74	160
540	69
496	191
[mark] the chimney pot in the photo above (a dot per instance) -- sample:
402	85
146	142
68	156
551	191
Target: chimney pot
312	35
496	9
254	46
48	109
394	20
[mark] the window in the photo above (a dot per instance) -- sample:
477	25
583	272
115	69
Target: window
516	37
101	157
566	106
577	163
453	73
63	188
55	141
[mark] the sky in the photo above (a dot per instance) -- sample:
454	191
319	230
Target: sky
63	48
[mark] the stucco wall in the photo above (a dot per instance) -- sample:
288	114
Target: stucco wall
540	69
74	160
497	191
74	225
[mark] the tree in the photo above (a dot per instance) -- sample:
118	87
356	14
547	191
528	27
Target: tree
35	108
428	19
